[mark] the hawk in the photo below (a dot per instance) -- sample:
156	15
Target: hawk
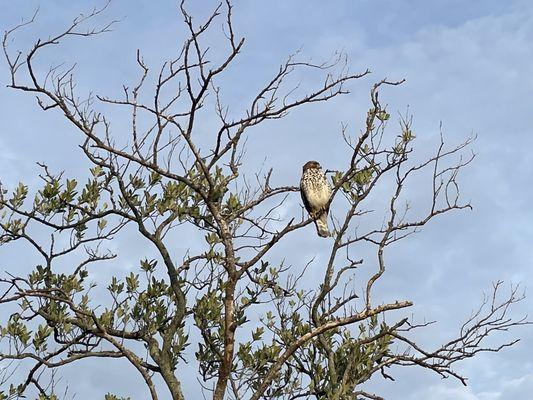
316	192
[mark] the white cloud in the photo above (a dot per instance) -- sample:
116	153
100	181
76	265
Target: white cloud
473	75
519	388
445	393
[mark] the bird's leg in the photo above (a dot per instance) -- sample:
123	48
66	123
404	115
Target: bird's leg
315	214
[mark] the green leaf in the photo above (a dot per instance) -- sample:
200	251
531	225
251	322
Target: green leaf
148	266
383	115
110	396
154	178
258	333
19	195
39	338
102	224
97	171
132	282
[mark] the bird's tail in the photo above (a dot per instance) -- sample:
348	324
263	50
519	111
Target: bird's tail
322	225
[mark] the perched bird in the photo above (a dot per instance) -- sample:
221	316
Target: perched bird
316	191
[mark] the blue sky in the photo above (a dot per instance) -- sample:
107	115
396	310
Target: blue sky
467	64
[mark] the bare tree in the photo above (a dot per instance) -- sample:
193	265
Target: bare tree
320	342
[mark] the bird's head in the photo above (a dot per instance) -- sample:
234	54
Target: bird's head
311	165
